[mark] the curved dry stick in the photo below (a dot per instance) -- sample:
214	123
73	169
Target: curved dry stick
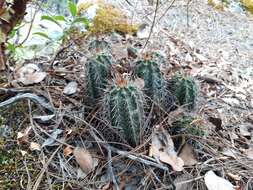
30	96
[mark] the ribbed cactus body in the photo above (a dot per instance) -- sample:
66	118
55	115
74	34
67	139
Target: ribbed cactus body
184	89
155	86
125	112
97	70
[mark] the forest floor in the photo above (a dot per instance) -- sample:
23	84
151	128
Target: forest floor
42	150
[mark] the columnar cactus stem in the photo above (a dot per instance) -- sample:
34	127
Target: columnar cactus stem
97	70
125	104
184	89
155	86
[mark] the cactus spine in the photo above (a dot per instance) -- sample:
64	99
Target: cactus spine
154	87
97	70
125	104
184	89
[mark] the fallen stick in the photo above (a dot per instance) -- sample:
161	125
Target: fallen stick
32	97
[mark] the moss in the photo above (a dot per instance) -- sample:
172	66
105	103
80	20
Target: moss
107	19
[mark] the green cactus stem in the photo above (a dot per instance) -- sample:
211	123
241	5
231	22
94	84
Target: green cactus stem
184	89
155	86
97	70
125	104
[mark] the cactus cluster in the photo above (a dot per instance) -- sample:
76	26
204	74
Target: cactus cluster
125	103
123	100
184	90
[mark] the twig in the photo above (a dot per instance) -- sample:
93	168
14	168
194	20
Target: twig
153	24
57	53
189	181
165	12
14	90
110	168
138	159
30	96
39	178
187	10
30	28
108	148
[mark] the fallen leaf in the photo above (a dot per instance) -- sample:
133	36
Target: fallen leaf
188	156
43	118
214	182
35	146
23	153
49	141
162	149
84	159
70	89
22	137
67	151
30	74
176	162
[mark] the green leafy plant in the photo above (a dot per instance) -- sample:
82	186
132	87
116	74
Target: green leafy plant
97	70
124	108
155	86
184	89
69	25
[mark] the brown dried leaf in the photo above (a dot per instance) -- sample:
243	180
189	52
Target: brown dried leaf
176	162
22	137
23	153
84	159
162	149
30	74
35	146
67	151
188	156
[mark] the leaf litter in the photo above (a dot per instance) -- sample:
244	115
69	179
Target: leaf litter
225	94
